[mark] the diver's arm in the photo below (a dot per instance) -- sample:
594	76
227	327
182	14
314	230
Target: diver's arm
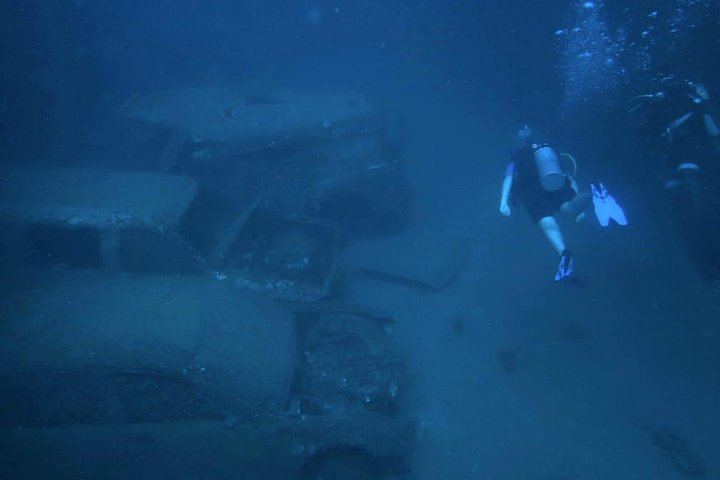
505	195
701	98
712	130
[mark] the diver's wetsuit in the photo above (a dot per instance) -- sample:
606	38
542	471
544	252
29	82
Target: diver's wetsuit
526	187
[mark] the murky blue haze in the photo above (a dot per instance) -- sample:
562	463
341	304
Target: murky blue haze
262	240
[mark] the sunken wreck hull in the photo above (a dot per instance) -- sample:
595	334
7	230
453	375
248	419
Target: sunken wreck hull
172	318
264	449
141	222
329	156
91	348
104	373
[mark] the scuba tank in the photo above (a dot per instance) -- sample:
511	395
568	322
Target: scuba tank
549	170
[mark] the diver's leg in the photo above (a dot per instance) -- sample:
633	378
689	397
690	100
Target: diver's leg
711	128
577	205
552	232
691	181
715	144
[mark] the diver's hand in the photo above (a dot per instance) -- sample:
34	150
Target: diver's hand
505	209
701	95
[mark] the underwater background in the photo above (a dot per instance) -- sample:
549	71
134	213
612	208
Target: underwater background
261	239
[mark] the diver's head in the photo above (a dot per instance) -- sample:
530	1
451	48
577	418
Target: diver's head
524	136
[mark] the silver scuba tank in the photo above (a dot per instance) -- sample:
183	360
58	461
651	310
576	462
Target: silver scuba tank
550	172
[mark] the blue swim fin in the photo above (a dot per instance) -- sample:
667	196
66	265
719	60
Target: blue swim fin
606	207
565	269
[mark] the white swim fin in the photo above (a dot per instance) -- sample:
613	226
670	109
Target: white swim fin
606	207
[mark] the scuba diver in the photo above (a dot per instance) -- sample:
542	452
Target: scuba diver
678	127
543	181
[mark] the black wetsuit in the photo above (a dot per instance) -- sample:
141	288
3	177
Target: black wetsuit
526	187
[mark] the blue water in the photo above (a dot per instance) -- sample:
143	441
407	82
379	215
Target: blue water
507	375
